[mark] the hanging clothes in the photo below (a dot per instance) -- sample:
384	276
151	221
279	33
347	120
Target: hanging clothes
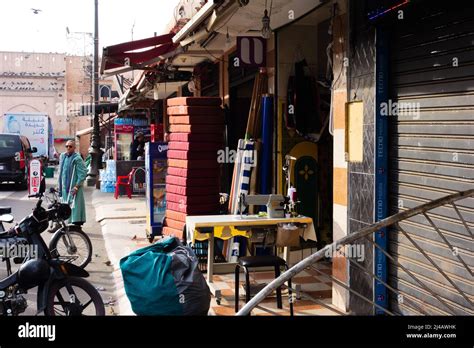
303	112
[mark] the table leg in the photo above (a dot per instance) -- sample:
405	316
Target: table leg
210	257
286	255
298	291
210	269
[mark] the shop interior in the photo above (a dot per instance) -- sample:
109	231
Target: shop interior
304	91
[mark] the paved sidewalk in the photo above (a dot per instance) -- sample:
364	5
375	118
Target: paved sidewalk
100	273
123	228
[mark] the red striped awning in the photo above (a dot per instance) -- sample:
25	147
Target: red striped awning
125	54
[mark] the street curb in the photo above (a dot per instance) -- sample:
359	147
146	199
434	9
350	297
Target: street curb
124	305
102	219
122	300
119	210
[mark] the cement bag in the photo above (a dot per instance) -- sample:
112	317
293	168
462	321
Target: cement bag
164	279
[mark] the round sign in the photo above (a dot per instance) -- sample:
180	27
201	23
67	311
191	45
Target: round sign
35	173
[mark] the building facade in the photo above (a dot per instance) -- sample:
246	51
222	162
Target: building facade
398	81
52	83
35	82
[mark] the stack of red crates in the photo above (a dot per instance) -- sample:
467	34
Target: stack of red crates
192	182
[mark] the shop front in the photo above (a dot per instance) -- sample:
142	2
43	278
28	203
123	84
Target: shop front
136	162
430	81
304	77
296	68
270	118
405	99
278	108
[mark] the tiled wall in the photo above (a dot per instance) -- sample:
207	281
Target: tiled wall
340	296
361	175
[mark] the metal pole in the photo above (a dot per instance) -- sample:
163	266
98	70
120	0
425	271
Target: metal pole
94	149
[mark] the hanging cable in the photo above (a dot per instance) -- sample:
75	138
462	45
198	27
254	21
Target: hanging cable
329	50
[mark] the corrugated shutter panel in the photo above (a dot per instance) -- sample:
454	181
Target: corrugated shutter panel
432	154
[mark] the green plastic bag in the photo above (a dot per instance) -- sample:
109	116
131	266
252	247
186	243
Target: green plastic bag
148	280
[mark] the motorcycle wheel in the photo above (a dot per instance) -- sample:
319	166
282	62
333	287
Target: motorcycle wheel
81	252
73	296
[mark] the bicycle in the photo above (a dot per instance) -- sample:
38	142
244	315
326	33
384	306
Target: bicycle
68	239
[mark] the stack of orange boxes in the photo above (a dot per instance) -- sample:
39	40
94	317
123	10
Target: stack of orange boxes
192	182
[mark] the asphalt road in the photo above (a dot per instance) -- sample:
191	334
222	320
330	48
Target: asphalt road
100	271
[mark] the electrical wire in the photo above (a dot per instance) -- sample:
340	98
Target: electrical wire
342	62
213	56
215	30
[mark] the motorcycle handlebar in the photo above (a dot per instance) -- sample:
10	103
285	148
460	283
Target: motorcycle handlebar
12	232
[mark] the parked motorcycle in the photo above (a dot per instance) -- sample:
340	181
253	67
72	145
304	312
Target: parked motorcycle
61	287
69	241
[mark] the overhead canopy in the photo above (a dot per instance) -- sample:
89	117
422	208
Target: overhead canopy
108	122
151	86
234	18
137	54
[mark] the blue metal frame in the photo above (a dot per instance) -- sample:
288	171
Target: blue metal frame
381	167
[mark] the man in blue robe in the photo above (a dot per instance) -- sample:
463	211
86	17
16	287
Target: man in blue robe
72	173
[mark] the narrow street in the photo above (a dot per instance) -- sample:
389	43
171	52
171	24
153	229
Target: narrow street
100	272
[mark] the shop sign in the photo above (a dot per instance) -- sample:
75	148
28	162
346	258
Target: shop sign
252	51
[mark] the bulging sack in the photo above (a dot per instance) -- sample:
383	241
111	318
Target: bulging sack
164	279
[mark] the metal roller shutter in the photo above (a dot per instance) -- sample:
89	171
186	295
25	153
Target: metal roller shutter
432	155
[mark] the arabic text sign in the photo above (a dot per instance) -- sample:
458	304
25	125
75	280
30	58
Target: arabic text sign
35	176
34	127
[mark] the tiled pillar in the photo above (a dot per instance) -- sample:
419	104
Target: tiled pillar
340	296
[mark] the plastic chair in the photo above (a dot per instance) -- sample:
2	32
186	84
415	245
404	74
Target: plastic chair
126	181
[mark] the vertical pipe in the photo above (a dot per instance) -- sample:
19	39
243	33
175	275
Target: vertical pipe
267	144
381	167
276	129
94	149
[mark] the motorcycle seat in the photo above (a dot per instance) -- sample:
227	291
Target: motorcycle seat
5	210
